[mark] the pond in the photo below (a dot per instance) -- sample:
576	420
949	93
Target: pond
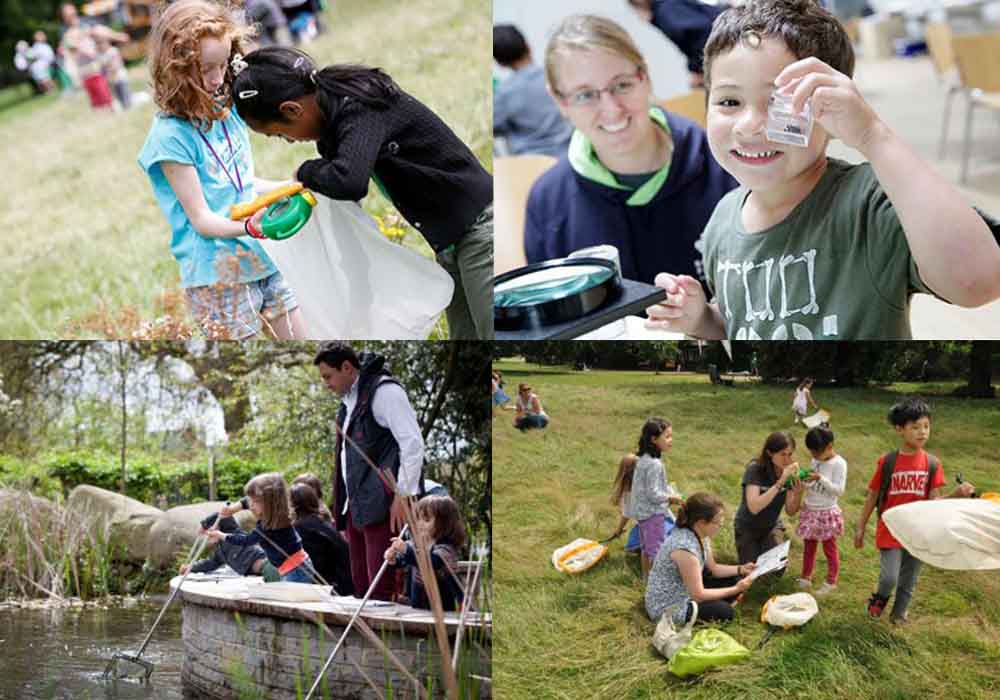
61	653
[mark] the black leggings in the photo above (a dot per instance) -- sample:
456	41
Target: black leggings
715	609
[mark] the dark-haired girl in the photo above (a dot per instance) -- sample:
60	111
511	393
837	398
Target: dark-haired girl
367	127
442	527
649	497
686	570
758	525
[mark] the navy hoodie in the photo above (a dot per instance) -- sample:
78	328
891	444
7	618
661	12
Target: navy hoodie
687	23
567	211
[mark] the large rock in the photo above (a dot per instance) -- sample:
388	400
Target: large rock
130	521
40	513
174	533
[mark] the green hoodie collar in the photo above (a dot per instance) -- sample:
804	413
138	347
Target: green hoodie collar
584	161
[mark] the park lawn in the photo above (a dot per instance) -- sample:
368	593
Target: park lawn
589	637
84	235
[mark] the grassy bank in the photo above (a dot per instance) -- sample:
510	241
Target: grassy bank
85	239
588	636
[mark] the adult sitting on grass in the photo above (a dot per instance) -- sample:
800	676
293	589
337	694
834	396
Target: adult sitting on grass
758	525
529	410
686	570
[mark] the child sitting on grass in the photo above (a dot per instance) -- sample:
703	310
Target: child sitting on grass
243	559
821	519
441	525
906	475
812	248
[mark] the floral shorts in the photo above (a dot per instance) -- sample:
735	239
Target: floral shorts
239	311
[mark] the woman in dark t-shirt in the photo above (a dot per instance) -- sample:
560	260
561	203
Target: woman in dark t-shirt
758	525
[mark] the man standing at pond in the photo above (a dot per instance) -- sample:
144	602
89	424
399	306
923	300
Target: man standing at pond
377	417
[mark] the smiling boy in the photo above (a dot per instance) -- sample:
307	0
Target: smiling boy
810	247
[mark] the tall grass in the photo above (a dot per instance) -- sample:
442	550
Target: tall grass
86	249
589	636
50	551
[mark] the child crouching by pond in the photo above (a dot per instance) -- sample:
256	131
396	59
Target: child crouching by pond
243	559
267	498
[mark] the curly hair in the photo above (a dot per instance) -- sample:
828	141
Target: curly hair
175	57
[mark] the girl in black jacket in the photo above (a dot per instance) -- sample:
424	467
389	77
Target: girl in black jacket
366	127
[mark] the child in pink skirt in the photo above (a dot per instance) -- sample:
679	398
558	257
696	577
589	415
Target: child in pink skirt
821	519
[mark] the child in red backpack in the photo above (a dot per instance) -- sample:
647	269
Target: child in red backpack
911	474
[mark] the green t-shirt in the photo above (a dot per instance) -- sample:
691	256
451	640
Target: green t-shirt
838	267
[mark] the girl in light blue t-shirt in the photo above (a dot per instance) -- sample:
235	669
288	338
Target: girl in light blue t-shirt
197	156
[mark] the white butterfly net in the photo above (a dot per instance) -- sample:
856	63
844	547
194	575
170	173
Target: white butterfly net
352	282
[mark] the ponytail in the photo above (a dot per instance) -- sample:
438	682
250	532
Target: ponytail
623	480
699	506
276	74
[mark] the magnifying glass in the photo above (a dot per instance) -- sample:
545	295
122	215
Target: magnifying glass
552	292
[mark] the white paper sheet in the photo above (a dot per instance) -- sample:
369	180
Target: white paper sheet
771	560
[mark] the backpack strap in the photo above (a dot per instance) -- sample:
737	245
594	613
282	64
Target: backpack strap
933	463
888	465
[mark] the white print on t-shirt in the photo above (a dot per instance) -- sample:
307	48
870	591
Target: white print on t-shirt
734	286
913	483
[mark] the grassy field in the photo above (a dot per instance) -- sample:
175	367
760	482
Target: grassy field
589	637
83	234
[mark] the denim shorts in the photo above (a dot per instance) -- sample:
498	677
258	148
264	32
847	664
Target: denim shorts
238	311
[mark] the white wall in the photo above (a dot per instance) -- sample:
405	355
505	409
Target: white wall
537	18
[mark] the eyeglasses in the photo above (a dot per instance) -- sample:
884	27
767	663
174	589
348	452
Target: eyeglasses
591	97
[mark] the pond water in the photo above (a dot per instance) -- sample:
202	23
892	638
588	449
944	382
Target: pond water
61	653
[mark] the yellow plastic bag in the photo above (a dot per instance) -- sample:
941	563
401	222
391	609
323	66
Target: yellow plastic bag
578	556
709	648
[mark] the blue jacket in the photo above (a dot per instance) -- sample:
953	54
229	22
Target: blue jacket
567	212
687	23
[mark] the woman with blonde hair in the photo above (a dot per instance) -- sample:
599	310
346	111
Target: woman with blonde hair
635	177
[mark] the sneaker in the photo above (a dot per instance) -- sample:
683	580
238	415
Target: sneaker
901	620
876	604
804	583
826	588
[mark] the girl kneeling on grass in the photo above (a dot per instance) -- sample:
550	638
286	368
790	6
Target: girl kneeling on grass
649	498
366	127
686	570
441	524
197	156
267	498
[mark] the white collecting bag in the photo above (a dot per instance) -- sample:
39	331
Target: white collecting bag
352	282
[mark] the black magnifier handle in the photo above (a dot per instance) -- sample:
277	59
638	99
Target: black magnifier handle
961	480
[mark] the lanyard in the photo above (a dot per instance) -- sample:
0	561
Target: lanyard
237	187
